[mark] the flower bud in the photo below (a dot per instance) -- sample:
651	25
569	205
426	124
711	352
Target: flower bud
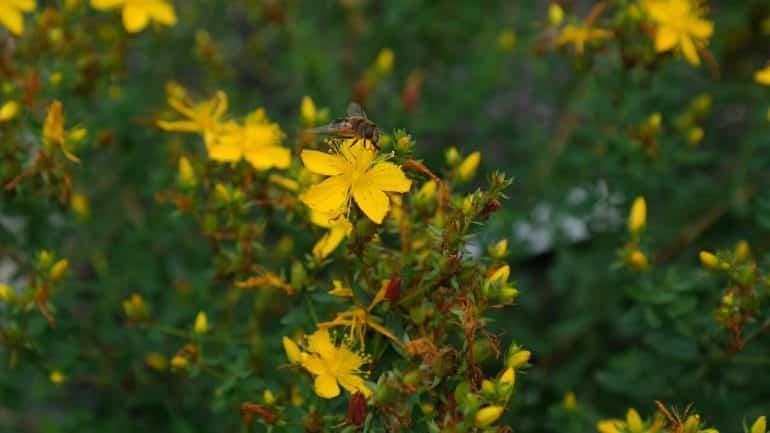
506	41
634	421
637	261
452	156
56	377
135	308
357	409
509	376
760	425
637	218
58	270
179	362
384	62
499	250
488	388
555	14
393	290
692	424
569	403
268	396
488	415
742	251
185	174
156	361
201	323
8	111
426	195
710	260
307	111
467	169
517	357
7	294
701	104
695	135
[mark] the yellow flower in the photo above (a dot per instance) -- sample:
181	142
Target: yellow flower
358	319
9	110
762	76
204	118
138	13
353	173
339	229
53	131
760	425
637	218
679	25
258	141
333	365
201	323
10	14
56	377
579	34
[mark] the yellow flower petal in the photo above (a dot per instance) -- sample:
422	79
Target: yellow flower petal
106	4
224	151
161	12
331	240
12	19
372	201
135	18
326	386
610	426
292	351
387	176
689	50
323	163
763	76
701	28
665	39
327	196
320	342
354	383
265	158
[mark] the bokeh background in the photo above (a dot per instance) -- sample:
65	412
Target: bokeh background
474	75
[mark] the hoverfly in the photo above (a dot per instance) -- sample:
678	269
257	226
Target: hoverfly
356	126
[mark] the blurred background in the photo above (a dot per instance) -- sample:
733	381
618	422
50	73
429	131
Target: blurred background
487	76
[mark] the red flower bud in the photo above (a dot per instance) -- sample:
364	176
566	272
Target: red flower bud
393	291
357	409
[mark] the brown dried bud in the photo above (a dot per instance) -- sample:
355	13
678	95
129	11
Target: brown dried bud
491	207
248	410
314	423
357	409
393	291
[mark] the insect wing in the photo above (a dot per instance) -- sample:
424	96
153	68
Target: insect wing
355	110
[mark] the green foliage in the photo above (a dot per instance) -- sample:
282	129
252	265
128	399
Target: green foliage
115	235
